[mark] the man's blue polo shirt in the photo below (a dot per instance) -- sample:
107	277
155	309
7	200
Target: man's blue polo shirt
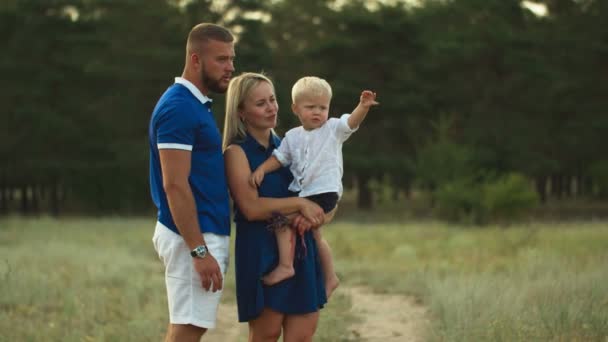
182	120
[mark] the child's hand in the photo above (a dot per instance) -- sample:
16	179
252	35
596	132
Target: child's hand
256	178
368	99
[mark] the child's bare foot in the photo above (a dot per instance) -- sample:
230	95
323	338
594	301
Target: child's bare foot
279	274
331	284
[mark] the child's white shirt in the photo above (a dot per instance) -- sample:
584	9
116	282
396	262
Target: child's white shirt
315	157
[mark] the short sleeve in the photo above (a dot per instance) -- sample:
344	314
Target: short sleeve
176	129
283	152
343	130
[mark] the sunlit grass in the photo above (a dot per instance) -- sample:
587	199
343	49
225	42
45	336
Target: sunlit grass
535	282
100	279
96	280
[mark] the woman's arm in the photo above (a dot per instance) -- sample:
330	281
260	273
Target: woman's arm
257	208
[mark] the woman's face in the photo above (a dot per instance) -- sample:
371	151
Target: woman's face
260	107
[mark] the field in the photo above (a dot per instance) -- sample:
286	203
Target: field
99	279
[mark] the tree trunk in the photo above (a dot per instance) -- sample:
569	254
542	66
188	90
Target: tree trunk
407	188
567	179
556	186
588	186
3	199
24	200
35	199
54	198
364	200
541	188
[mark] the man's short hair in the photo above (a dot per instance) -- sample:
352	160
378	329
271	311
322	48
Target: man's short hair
310	86
202	33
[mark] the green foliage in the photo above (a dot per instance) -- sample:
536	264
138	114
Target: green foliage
443	162
504	199
460	201
525	94
508	197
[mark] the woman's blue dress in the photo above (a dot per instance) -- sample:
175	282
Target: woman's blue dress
256	253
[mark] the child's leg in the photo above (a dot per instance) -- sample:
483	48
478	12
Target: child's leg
286	245
327	263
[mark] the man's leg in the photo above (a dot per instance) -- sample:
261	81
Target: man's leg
184	332
191	308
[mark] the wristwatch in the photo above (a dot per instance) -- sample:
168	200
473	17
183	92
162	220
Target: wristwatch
199	252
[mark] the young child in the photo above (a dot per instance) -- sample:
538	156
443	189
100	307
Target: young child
314	153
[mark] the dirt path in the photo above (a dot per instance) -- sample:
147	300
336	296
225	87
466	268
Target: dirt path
228	329
385	318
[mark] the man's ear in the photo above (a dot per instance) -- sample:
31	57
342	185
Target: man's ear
195	61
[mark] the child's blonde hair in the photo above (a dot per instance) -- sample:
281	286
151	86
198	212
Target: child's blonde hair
310	86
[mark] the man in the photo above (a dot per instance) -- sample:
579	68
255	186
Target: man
188	185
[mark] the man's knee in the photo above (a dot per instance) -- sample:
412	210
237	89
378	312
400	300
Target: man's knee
185	332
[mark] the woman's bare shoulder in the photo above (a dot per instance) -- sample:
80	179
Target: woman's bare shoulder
233	150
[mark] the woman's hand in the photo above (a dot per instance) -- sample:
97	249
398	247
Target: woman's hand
312	212
301	224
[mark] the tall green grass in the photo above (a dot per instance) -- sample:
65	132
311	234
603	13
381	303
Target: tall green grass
529	283
97	280
100	279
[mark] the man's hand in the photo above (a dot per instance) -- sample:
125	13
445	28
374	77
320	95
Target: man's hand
209	271
368	99
256	178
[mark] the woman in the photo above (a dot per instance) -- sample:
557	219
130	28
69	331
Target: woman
292	306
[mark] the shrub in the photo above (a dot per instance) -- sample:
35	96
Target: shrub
460	201
505	199
508	198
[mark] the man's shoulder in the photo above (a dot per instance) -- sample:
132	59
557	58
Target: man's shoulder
175	101
177	95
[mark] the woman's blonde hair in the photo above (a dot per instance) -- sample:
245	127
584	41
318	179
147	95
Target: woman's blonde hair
238	90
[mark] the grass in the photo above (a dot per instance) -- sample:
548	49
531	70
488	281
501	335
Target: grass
528	283
100	279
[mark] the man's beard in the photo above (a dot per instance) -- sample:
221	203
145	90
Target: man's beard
211	84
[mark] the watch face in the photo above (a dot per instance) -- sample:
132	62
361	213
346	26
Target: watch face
200	251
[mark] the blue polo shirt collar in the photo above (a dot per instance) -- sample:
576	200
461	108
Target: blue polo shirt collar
194	90
272	143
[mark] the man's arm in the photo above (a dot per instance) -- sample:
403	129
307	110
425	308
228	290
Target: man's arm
176	170
366	100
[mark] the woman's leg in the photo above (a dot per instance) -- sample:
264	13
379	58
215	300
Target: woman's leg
300	328
286	244
327	263
267	327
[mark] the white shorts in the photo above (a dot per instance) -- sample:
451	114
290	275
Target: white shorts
188	302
